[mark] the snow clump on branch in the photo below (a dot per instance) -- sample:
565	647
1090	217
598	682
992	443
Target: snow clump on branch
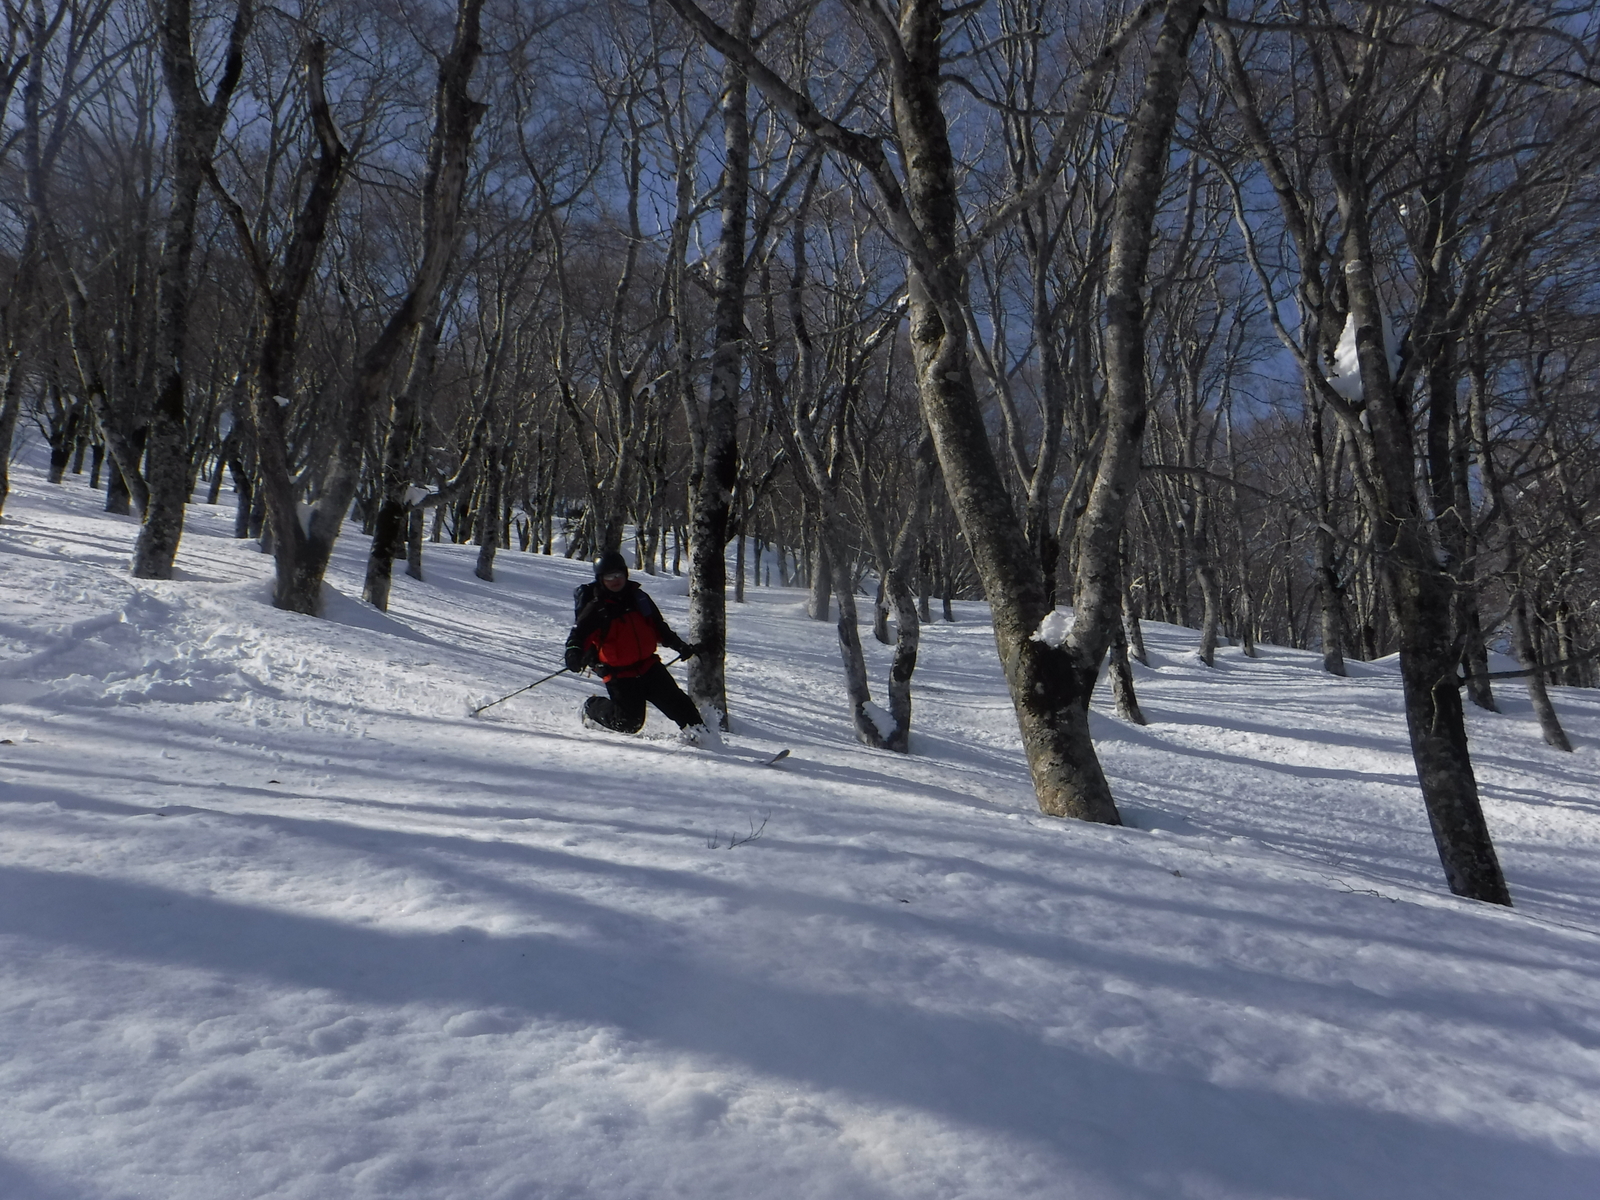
1346	373
1053	630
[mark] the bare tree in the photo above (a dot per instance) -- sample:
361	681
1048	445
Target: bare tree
814	403
1050	685
196	125
1370	80
16	293
65	48
302	548
716	473
281	293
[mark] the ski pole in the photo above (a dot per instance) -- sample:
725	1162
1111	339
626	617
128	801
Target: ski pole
519	691
537	682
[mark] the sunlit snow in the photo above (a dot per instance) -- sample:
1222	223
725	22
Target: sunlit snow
1053	630
1345	375
277	919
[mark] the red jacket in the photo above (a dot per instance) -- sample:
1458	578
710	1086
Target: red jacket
622	627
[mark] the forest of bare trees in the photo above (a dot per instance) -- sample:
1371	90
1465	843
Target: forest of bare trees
1278	319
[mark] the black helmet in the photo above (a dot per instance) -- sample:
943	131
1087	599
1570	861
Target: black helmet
609	562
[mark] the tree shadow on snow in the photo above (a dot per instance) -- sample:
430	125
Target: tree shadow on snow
1162	1134
18	1184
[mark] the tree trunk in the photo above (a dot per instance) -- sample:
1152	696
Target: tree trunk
1452	514
61	443
1049	687
394	508
1211	610
1475	654
896	562
10	407
819	572
1067	772
1122	689
1330	607
244	487
1241	561
1420	593
415	530
719	464
1428	664
498	466
855	663
196	124
907	644
880	615
1132	630
1566	647
1528	655
302	558
123	492
1325	568
276	499
925	583
219	472
908	625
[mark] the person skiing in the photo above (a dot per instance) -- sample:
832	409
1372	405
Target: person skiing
616	633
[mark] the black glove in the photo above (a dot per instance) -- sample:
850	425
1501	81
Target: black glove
577	657
689	649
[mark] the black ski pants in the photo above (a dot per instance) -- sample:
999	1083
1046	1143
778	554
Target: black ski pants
624	710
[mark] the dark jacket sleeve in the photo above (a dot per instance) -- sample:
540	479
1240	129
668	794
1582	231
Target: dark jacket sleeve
588	615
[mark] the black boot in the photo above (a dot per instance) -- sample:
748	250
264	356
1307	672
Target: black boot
601	712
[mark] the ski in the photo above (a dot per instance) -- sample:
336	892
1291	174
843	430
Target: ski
719	749
755	760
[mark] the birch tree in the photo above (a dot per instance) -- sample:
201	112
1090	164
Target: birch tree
1050	684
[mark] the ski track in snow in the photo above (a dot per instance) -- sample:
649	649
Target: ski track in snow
279	919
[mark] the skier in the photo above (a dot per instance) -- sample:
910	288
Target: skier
617	630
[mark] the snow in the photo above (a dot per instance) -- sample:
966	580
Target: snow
278	920
882	719
1055	628
1346	374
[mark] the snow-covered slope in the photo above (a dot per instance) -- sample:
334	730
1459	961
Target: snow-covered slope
279	919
